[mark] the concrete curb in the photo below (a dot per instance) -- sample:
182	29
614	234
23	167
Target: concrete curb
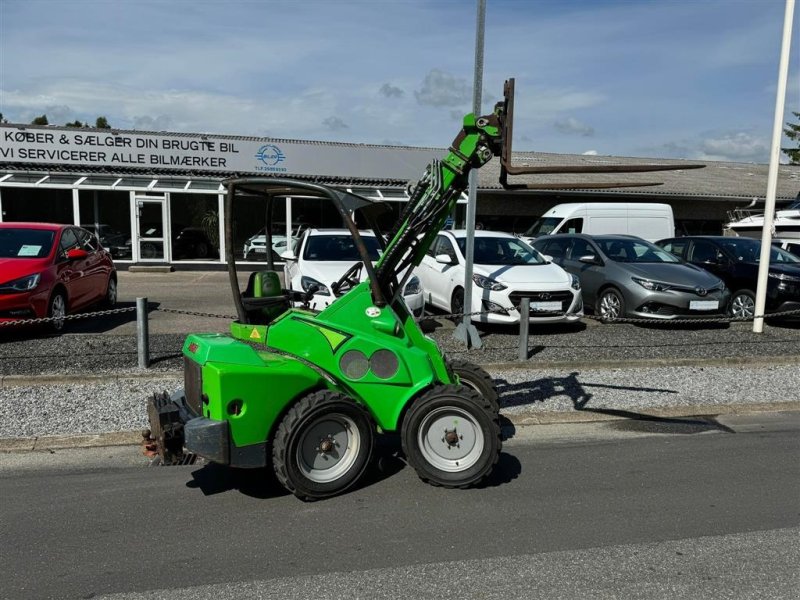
134	438
7	381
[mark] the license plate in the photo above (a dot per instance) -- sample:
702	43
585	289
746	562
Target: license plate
703	304
546	306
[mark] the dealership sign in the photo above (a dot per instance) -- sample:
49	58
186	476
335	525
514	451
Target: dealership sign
54	146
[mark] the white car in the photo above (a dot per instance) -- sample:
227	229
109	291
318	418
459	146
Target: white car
255	248
326	254
505	270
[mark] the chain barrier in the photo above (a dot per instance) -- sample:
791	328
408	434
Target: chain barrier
504	311
75	317
192	313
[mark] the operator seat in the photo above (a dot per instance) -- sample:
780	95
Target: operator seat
263	299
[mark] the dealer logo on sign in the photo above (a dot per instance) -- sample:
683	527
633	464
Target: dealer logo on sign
270	155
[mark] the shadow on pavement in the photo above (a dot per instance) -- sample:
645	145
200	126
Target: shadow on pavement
214	479
541	390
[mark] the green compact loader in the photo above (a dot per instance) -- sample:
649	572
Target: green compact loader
307	391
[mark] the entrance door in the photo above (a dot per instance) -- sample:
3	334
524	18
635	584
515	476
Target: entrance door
151	215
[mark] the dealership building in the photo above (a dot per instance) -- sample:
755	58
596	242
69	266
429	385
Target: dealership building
156	197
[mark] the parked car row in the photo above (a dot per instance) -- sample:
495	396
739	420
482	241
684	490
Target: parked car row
48	270
612	276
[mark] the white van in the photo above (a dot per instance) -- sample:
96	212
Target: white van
649	221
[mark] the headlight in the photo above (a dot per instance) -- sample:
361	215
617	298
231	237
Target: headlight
783	276
24	284
576	283
308	282
487	283
413	286
653	286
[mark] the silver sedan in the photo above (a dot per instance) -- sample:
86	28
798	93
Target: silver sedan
626	276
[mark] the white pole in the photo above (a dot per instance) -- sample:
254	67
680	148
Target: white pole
466	331
772	178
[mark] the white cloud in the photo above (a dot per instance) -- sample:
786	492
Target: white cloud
590	153
443	89
390	91
737	147
571	125
334	124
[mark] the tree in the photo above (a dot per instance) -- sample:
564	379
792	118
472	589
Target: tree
75	123
40	120
792	132
102	123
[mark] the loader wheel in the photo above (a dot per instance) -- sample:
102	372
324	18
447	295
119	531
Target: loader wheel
451	436
475	377
322	445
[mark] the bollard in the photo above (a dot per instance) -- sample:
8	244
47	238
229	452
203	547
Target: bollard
524	323
142	333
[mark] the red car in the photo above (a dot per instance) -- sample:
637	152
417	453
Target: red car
50	270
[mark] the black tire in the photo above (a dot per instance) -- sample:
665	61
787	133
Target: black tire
742	304
457	304
110	299
435	457
475	377
57	307
297	445
610	305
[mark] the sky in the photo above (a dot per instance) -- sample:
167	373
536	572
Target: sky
692	79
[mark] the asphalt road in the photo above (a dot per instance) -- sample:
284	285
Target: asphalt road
595	510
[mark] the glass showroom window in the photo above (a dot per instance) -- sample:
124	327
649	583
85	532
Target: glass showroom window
195	226
108	215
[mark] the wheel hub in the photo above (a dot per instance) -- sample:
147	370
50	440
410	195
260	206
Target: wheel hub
451	437
326	445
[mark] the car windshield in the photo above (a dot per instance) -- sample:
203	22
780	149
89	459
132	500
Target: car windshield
634	251
501	251
543	226
748	250
339	248
25	243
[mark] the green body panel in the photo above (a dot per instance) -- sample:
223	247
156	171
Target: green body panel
264	382
346	325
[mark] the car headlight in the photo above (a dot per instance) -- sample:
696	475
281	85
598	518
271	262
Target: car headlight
783	276
653	286
23	284
308	282
576	283
413	286
487	283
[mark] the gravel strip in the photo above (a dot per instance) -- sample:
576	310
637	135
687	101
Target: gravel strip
27	354
119	405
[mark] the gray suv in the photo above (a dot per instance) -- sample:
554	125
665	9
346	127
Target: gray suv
626	276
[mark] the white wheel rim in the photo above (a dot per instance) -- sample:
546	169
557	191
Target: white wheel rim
59	311
743	306
112	291
328	448
436	443
609	306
